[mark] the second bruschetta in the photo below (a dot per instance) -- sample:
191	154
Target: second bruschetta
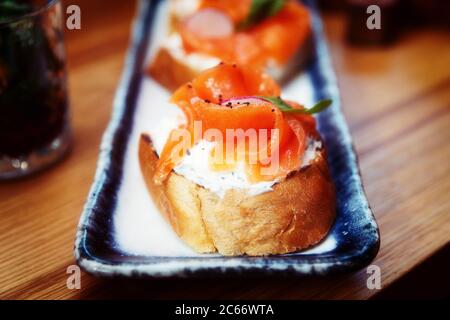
269	34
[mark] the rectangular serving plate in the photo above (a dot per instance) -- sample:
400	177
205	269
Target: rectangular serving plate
120	231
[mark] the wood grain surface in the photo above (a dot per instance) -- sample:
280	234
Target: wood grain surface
395	99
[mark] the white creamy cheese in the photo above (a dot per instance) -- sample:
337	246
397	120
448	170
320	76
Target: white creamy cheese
195	167
183	8
196	61
311	151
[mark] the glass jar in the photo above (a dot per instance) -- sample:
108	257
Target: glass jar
34	126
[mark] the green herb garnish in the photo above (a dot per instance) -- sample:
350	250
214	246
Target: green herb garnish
260	10
284	107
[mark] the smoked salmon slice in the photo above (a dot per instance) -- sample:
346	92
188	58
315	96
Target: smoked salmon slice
214	30
231	97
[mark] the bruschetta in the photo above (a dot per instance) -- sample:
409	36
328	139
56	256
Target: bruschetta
272	34
220	192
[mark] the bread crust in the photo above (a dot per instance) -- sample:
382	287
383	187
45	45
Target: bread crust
297	214
169	71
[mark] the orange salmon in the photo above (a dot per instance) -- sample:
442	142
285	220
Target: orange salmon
212	30
229	97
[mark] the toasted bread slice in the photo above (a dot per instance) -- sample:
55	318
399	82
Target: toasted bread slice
297	214
170	71
172	67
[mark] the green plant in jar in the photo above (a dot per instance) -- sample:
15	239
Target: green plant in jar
33	103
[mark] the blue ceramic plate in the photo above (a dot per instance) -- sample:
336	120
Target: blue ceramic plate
121	233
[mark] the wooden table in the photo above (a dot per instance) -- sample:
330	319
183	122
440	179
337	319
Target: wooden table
396	101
